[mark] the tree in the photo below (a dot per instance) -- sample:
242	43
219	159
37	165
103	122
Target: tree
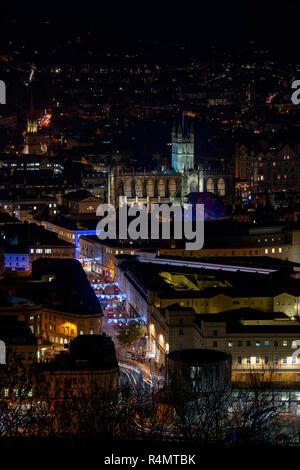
129	332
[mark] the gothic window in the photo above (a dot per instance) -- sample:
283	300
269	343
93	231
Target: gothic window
193	187
150	188
161	188
210	185
221	187
120	189
127	188
139	188
172	187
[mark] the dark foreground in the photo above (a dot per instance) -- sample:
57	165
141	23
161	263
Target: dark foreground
139	454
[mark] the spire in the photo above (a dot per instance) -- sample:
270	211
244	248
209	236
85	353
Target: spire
192	129
180	130
31	106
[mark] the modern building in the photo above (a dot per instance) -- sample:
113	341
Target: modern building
198	370
228	239
260	343
157	289
100	255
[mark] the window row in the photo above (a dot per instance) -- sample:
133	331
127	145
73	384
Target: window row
265	343
265	360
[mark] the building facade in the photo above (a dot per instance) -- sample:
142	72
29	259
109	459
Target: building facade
274	170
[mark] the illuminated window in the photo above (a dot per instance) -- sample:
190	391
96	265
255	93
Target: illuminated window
284	343
266	251
221	187
230	344
210	185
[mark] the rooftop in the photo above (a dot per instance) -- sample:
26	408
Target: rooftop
198	356
87	352
251	321
182	281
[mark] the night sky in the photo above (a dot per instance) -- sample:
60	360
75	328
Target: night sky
232	23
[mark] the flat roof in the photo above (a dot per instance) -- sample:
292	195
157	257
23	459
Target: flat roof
198	356
207	281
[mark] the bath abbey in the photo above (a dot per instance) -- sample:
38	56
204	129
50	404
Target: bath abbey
170	184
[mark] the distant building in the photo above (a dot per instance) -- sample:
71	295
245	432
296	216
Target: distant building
259	343
89	370
170	184
24	243
20	343
100	255
58	304
228	239
21	203
81	202
198	370
273	170
156	289
16	261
